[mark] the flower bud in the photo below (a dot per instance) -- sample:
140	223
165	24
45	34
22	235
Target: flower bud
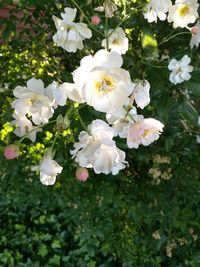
95	20
11	151
195	30
82	174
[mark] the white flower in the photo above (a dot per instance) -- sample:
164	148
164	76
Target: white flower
70	35
33	101
24	126
195	40
144	132
180	70
49	169
183	13
97	150
120	121
102	82
141	94
59	93
157	9
117	41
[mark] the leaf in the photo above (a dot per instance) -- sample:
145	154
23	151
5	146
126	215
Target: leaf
194	87
43	250
56	244
189	112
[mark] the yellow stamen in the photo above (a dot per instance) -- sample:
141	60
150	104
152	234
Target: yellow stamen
105	85
183	10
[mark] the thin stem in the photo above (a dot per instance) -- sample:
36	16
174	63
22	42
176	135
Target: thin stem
88	21
171	37
82	122
54	141
107	45
124	4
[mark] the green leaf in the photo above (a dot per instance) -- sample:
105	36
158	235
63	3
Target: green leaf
189	112
194	87
43	250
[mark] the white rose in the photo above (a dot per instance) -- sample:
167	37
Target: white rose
117	41
104	84
183	13
49	169
97	150
70	35
157	9
180	70
33	101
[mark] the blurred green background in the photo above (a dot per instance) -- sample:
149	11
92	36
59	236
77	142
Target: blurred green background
148	215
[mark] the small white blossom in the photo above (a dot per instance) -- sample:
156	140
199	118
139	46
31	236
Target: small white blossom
183	13
33	101
180	70
49	169
144	132
24	126
157	9
120	121
102	82
141	93
97	150
117	41
195	40
70	35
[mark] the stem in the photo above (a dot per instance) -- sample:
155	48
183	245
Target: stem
88	21
82	122
54	141
171	37
107	45
124	3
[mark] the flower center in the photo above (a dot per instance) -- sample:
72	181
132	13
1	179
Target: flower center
183	10
146	133
116	42
178	70
105	85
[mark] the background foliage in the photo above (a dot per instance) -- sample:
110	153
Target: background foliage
146	216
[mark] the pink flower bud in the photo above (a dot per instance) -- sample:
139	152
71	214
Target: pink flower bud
195	30
11	151
82	174
95	20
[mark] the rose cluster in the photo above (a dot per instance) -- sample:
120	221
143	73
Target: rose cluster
102	83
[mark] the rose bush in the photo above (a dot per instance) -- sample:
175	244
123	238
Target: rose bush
77	102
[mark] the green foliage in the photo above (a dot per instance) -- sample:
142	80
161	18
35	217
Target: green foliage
148	215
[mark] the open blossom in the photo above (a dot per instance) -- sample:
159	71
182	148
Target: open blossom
144	132
195	40
180	70
102	82
97	150
70	35
59	93
141	93
24	126
117	41
49	169
157	9
31	100
183	13
120	121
